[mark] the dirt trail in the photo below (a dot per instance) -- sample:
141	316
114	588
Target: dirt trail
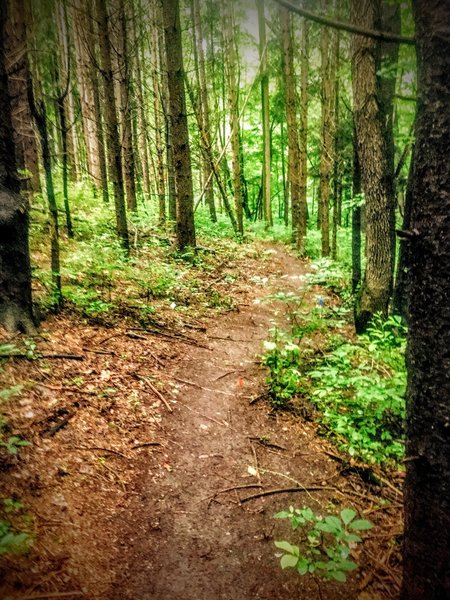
182	535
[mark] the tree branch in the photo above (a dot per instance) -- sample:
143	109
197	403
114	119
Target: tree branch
384	36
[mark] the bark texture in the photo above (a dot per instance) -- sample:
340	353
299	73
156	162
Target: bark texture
180	134
16	312
376	178
111	125
427	485
16	63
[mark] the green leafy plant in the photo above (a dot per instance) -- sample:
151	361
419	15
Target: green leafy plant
12	539
326	543
13	444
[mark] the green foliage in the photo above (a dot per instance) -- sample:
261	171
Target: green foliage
326	544
13	443
13	540
356	387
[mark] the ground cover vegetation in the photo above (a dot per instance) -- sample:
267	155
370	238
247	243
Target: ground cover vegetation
145	146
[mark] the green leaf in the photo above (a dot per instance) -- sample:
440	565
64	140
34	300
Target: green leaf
287	547
347	515
347	565
288	560
338	576
361	525
302	566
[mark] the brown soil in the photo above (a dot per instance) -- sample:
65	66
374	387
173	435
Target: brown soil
146	454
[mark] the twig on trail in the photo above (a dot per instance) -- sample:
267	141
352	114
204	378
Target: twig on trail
156	392
43	595
223	423
102	449
179	337
313	488
145	445
109	352
43	356
233	488
55	428
267	444
63	388
225	375
197	385
262	396
157	359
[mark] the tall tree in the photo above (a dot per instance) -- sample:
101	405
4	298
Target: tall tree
203	110
427	485
126	122
328	130
111	125
233	108
180	134
16	309
16	57
297	207
377	183
265	113
303	123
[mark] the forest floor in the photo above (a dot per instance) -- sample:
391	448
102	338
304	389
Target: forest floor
157	463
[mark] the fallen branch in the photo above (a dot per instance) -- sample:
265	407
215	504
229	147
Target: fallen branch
200	387
156	392
102	449
313	488
145	445
42	356
267	444
43	595
179	337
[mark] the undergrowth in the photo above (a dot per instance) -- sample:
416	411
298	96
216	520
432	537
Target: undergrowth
353	387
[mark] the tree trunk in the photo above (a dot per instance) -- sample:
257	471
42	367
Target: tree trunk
328	133
233	109
303	133
180	134
142	126
16	309
376	179
124	81
85	50
356	219
112	131
426	554
204	122
287	59
265	113
16	57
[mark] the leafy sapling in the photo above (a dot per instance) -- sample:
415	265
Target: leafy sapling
326	544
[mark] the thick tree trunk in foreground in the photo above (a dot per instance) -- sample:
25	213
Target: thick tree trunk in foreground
303	132
427	485
180	133
377	182
16	312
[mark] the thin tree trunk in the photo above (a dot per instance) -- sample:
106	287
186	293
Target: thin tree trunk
265	114
303	132
180	134
233	109
204	123
112	131
356	219
124	81
327	135
291	120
